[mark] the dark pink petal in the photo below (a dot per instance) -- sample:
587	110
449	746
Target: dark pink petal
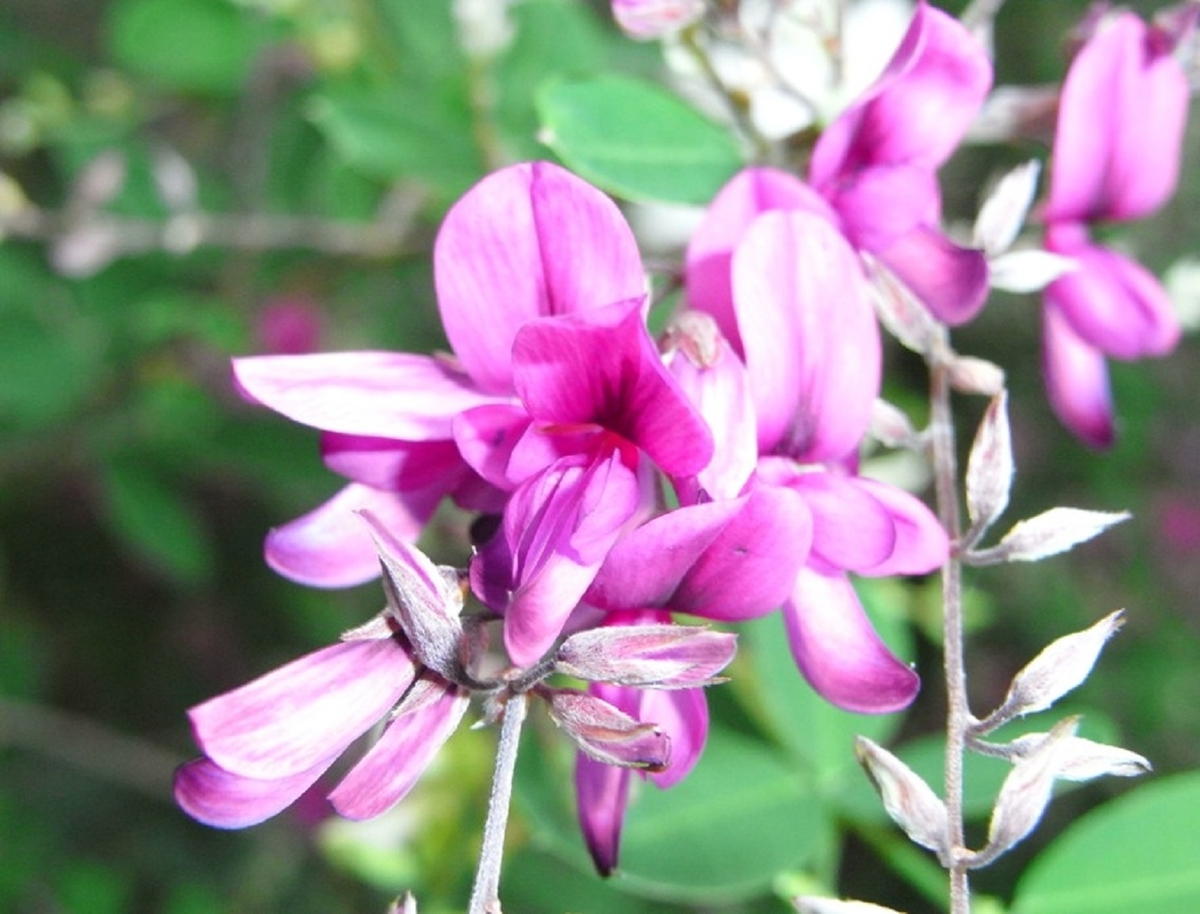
726	560
886	202
749	194
918	110
305	713
683	716
603	368
1076	381
380	394
1111	302
952	281
396	762
330	546
921	544
852	530
486	435
210	794
602	793
528	241
838	651
1121	119
557	528
397	466
810	336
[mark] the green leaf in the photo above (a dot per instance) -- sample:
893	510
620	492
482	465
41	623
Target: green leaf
637	140
1137	853
156	522
191	45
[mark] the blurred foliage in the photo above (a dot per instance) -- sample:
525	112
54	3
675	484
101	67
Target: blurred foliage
135	485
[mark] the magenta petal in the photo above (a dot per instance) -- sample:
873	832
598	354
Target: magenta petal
603	368
727	560
396	762
398	466
528	241
380	394
852	530
838	651
952	281
812	343
330	546
885	202
485	437
305	713
1076	381
921	544
918	110
1120	126
210	794
750	193
683	715
1111	302
602	793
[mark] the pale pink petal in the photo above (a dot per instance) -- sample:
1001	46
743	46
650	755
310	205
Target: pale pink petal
603	368
330	546
305	713
852	530
380	394
396	762
528	241
952	281
727	560
921	544
749	194
1076	381
647	20
210	794
1121	119
838	651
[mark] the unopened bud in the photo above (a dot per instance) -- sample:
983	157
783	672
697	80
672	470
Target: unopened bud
910	802
1085	760
1047	534
658	656
1003	212
697	336
990	466
1060	667
890	426
606	734
975	376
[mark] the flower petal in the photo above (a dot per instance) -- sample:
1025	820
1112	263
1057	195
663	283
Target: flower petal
380	394
603	368
396	762
838	651
528	241
951	280
921	544
1076	378
601	795
683	715
398	466
852	530
808	328
305	713
330	546
210	794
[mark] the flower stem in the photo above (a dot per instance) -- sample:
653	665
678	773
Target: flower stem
485	896
958	714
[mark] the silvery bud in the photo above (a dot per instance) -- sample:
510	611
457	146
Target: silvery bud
808	904
607	734
990	466
975	376
657	656
1047	534
910	802
1003	212
1026	792
1060	667
1085	760
890	426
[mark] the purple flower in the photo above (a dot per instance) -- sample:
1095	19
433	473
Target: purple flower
1116	157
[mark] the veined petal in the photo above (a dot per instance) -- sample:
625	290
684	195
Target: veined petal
1076	380
921	544
728	560
603	368
396	762
852	530
838	651
812	343
330	546
1112	302
918	110
951	280
750	193
305	713
210	794
1121	118
380	394
528	241
601	795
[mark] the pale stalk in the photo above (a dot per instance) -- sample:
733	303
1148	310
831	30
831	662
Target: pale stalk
945	466
485	896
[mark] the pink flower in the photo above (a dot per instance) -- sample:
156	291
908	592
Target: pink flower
1116	157
647	20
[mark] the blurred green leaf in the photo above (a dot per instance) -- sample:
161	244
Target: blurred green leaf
1137	853
637	140
48	370
156	521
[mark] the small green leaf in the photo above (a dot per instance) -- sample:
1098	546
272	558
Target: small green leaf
637	140
1137	853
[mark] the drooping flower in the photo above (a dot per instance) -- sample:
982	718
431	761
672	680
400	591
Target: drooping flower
1115	158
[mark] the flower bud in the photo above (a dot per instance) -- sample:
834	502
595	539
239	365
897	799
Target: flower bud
1085	760
1003	212
658	656
607	734
990	466
910	802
